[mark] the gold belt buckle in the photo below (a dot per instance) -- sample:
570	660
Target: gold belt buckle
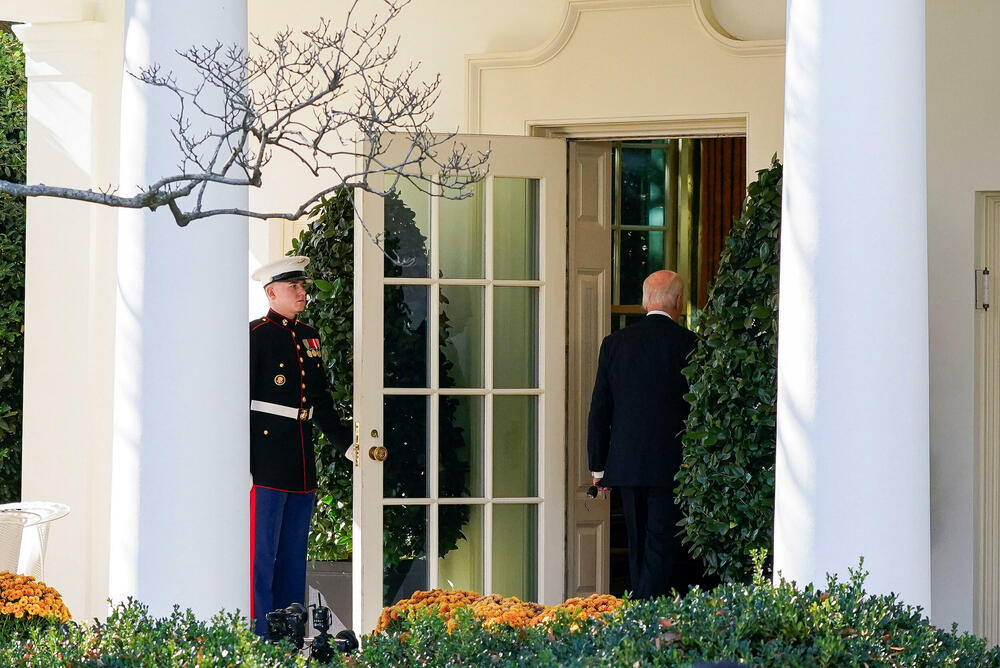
304	414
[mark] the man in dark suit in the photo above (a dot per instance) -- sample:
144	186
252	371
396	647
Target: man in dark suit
636	417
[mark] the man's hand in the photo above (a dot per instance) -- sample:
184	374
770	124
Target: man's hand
599	484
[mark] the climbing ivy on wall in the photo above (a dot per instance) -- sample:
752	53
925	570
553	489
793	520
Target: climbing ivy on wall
725	486
13	165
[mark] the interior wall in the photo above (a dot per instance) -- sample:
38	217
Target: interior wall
963	141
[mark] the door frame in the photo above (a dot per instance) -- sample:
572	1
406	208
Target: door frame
594	526
986	464
523	157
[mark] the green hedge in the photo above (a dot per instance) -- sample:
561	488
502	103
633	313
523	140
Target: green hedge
13	104
131	637
725	486
756	624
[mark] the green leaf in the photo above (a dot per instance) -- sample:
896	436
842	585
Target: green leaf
727	503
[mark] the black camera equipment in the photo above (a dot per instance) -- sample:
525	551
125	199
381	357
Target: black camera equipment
321	649
288	623
321	617
347	641
323	646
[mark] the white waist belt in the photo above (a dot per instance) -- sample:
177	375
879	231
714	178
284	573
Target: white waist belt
283	411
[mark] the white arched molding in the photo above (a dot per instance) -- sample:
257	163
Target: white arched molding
477	64
739	47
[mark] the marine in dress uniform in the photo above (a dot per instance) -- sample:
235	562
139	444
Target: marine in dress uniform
288	391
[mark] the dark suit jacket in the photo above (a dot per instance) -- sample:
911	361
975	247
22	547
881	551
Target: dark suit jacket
637	411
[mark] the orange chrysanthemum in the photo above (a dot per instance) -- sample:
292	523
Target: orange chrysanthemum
495	609
595	605
22	596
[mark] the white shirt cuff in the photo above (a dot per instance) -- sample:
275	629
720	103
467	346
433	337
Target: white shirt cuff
597	474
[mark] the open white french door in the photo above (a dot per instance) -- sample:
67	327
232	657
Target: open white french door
459	373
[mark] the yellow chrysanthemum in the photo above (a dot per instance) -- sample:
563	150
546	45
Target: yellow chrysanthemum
22	596
496	609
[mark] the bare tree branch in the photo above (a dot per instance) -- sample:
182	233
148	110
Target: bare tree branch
328	97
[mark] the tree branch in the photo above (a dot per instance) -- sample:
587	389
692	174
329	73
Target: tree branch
299	95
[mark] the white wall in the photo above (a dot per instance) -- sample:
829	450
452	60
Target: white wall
963	142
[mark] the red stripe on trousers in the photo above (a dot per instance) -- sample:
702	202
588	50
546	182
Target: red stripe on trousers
253	544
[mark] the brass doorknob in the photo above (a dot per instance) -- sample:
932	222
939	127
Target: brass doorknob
378	453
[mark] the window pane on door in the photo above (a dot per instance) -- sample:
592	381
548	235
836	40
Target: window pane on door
515	337
641	255
642	190
462	325
404	552
405	419
460	437
515	550
407	231
515	229
460	547
406	346
515	446
461	237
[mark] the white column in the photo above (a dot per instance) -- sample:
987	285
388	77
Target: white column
70	295
180	469
852	463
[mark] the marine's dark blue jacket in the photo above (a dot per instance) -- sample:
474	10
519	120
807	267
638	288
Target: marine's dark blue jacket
286	368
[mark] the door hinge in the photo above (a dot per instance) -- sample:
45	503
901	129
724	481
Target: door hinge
983	289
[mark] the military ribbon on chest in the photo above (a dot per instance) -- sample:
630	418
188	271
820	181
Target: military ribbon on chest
312	347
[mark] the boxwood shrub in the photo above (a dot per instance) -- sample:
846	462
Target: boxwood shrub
725	486
754	624
131	637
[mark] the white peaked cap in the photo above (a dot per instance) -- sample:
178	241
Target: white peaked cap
286	269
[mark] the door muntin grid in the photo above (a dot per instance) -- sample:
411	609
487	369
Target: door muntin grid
462	391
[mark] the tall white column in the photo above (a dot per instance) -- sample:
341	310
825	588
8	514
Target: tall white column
180	467
852	463
70	294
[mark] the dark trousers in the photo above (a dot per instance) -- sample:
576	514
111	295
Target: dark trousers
653	548
279	529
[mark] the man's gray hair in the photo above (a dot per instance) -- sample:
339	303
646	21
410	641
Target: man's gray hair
658	294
